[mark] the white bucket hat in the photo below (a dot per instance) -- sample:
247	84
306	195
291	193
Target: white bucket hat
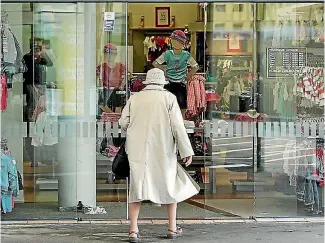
155	76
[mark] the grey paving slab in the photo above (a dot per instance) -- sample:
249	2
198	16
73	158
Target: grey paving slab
211	233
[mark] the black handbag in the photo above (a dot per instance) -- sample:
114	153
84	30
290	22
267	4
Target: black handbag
20	181
121	166
117	99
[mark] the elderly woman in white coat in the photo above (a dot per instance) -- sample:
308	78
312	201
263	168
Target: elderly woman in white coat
155	130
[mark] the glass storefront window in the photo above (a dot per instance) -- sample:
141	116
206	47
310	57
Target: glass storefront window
69	68
290	54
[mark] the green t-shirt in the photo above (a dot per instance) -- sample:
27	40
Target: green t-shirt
176	65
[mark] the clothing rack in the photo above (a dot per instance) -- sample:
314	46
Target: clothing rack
315	60
158	33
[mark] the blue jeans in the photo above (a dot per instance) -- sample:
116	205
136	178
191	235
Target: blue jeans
307	192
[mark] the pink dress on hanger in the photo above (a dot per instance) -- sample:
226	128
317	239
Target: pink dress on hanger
4	93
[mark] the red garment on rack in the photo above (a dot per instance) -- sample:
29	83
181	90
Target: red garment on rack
244	117
196	97
319	174
4	93
136	86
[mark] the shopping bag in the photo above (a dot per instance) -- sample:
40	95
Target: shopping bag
121	166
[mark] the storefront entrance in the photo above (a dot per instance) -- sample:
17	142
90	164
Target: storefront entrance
258	140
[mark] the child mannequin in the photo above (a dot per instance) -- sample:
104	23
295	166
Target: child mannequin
176	62
110	73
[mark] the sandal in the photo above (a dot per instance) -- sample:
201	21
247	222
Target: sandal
134	239
172	235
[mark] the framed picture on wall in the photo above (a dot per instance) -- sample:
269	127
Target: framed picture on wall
162	17
233	43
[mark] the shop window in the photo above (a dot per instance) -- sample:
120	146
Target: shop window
238	8
221	8
238	26
219	33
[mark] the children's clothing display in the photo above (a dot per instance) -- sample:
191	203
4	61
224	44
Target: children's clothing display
177	62
154	46
295	31
304	164
310	86
10	55
10	184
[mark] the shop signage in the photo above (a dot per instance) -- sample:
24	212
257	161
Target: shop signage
109	21
162	17
284	62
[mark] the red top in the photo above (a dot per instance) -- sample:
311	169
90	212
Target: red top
4	92
111	77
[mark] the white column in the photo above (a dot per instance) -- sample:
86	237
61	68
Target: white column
77	152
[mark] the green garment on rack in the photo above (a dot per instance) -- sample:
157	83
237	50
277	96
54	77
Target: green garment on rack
285	105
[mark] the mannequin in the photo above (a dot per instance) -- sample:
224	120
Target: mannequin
175	62
110	74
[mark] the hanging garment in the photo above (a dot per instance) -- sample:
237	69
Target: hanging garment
232	89
277	35
299	34
4	147
147	44
276	96
310	86
136	85
19	62
9	182
7	40
196	97
40	107
45	130
3	93
154	126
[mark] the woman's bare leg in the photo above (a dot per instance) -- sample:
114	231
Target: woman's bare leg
172	211
134	215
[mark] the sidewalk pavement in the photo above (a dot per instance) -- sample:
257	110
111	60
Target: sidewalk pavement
234	232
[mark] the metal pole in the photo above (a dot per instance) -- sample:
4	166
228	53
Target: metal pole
126	88
256	93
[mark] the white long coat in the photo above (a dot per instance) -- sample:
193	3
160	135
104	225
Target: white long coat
154	125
